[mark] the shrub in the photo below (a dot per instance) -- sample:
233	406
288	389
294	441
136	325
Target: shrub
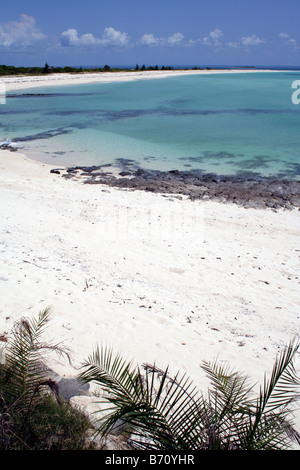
32	416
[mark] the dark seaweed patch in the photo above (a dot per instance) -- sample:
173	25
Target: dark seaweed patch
248	111
134	113
42	135
6	110
160	111
149	158
207	154
254	163
218	155
80	112
294	169
126	162
129	114
197	159
52	95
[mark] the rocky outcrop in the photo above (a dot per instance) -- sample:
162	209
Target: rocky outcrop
247	191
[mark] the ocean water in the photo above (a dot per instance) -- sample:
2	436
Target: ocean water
228	124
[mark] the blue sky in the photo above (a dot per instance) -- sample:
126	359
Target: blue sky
169	32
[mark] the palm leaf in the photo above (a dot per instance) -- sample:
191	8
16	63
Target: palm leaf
274	403
154	406
162	412
115	375
230	391
24	365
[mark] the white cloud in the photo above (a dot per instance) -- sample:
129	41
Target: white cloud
216	34
234	44
192	42
149	39
70	38
111	37
88	40
246	42
289	40
213	39
292	42
175	39
20	33
252	41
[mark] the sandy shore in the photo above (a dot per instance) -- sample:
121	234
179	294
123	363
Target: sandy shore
159	278
21	82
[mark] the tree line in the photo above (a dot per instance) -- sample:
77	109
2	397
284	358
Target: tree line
47	69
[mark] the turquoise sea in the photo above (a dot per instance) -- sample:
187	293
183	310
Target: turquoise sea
228	124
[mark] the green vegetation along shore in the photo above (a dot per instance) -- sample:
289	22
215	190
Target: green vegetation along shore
47	69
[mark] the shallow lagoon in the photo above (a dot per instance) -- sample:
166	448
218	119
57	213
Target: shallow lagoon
225	123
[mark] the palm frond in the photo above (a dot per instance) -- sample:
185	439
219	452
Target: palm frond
24	359
114	374
230	389
152	404
226	404
164	412
282	387
274	403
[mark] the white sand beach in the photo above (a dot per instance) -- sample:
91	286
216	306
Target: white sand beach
160	278
24	81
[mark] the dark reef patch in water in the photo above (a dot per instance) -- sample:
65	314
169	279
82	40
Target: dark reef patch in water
254	163
42	135
217	155
6	111
249	111
161	111
52	95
